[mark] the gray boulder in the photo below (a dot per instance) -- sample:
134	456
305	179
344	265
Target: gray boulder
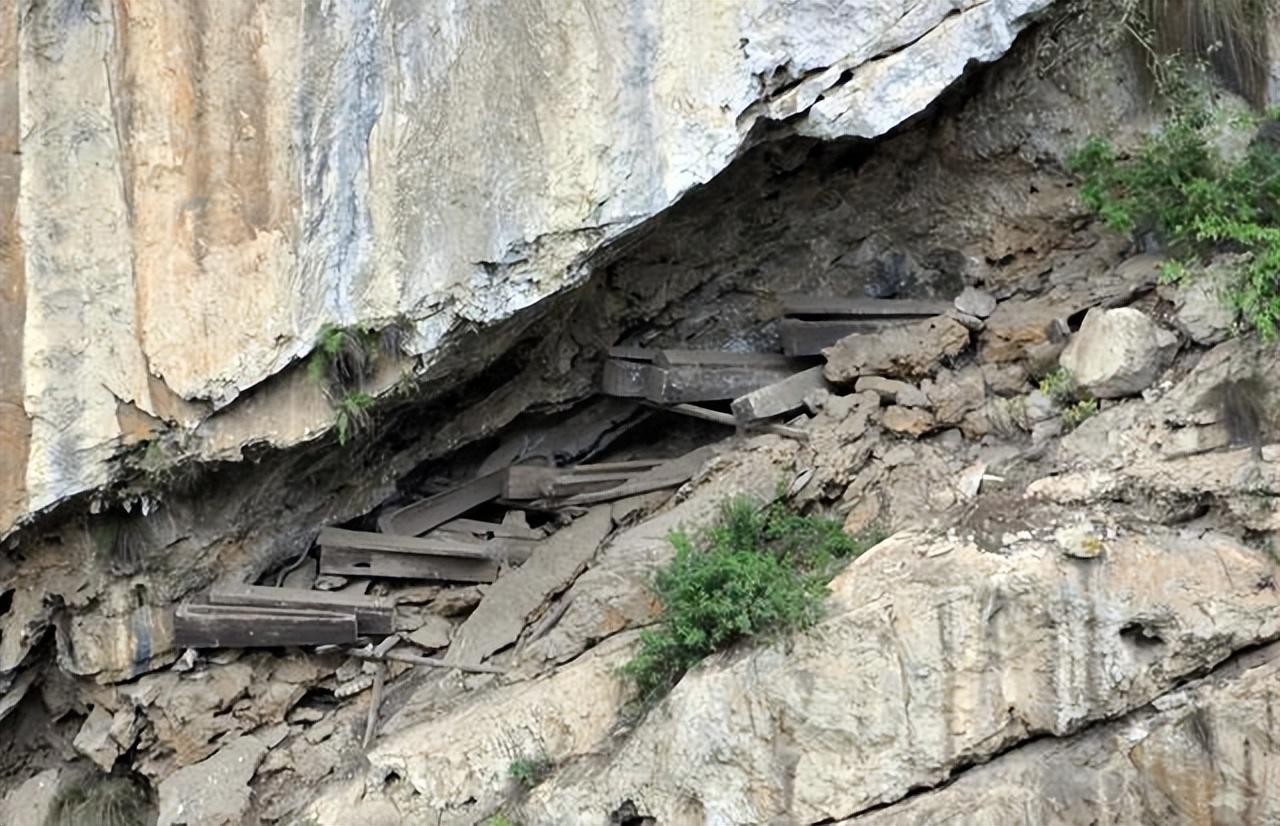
1118	352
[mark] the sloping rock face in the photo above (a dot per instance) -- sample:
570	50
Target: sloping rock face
187	197
935	655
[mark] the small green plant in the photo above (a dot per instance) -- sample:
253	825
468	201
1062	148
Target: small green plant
97	800
500	820
530	771
1075	414
1178	186
353	415
344	358
1060	386
758	570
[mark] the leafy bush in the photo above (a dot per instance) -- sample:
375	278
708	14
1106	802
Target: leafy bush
758	570
1074	415
1178	185
530	771
353	415
1060	386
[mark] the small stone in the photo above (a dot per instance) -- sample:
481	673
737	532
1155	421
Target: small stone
970	481
1039	407
975	425
816	400
94	739
911	421
953	394
975	302
971	322
329	582
1118	353
837	407
1080	540
1008	379
893	391
1271	453
863	515
434	633
306	714
1046	430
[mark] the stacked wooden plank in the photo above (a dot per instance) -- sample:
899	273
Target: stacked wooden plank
679	376
253	616
812	323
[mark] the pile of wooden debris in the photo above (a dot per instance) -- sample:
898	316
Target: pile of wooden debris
322	602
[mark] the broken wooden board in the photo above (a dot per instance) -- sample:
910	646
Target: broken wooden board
373	615
401	565
488	530
779	397
818	306
727	419
462	546
197	625
506	607
420	517
623	378
724	358
697	383
531	482
809	338
670	474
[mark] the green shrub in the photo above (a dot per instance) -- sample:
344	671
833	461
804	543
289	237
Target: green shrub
353	415
500	820
530	771
1060	386
1178	185
1078	412
758	570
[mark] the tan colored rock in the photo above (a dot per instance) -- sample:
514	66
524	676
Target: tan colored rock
954	393
1005	379
909	421
911	350
892	391
863	515
432	633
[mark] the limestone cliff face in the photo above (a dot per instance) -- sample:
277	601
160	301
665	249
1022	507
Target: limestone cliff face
187	194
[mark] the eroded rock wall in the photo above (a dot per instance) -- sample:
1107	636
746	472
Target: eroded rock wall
189	194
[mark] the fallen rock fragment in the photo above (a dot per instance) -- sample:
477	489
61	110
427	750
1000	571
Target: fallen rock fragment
975	302
214	792
893	391
912	350
1118	352
952	394
31	803
1200	308
910	421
